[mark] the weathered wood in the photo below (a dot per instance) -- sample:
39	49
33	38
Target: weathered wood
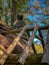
25	53
4	27
46	50
43	44
28	29
12	46
13	11
33	59
34	49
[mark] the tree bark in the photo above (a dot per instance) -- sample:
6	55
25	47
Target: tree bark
45	58
25	53
13	12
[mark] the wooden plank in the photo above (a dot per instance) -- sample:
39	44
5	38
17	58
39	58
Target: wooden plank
33	59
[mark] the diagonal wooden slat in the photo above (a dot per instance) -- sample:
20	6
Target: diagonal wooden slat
25	53
12	46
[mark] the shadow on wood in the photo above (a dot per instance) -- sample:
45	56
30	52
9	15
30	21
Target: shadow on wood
33	59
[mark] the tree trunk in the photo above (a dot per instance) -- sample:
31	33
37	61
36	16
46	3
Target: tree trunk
13	12
45	58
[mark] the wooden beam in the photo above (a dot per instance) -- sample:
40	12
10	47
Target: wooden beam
33	59
12	46
28	29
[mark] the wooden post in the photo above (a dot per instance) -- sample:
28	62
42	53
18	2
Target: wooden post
25	53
